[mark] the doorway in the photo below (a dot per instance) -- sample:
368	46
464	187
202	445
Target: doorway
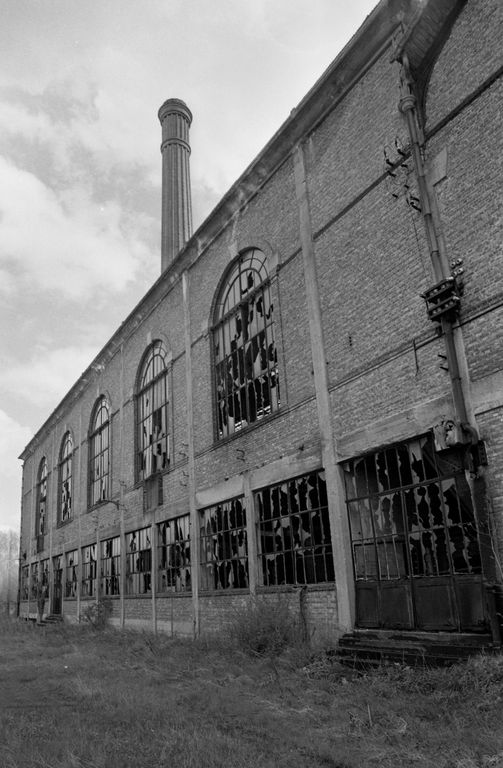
414	538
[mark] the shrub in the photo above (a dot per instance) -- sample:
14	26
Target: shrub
97	614
264	627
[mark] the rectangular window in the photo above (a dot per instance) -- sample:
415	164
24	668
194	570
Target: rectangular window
25	582
110	566
71	573
33	580
138	562
89	571
173	547
295	545
224	547
410	513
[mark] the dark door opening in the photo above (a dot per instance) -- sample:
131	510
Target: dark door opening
57	588
414	538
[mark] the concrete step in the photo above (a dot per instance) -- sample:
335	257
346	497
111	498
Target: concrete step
363	648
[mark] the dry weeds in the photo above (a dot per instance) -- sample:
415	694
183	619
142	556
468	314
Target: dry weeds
74	698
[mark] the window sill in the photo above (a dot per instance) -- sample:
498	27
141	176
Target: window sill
326	586
249	428
223	592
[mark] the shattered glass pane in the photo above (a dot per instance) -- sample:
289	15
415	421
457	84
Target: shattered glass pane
425	527
99	453
88	586
224	547
72	573
110	559
174	567
65	479
138	562
294	532
153	426
246	365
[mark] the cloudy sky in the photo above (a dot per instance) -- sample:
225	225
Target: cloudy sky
80	85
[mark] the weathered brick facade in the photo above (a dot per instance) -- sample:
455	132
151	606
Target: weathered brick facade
389	170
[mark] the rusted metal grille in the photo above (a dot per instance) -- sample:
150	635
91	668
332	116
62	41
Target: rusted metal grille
410	514
224	546
246	364
294	532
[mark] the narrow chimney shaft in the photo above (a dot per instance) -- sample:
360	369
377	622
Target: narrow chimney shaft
176	227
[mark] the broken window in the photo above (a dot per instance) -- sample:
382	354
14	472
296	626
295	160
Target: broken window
25	582
57	580
246	361
33	580
41	502
65	479
89	571
71	573
138	562
152	413
99	441
224	547
173	546
294	532
110	566
410	513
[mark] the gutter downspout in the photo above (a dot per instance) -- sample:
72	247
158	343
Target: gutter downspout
408	107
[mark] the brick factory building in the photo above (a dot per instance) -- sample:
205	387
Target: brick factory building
309	400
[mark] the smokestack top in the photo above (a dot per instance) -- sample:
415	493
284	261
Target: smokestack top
174	106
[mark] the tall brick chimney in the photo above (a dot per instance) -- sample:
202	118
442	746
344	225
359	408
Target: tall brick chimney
176	228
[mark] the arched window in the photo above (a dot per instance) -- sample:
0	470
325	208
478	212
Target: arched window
41	511
246	362
152	413
99	463
65	479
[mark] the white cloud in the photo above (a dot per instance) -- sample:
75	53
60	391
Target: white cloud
13	438
66	243
44	379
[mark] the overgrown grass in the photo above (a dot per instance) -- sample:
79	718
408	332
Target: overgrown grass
72	697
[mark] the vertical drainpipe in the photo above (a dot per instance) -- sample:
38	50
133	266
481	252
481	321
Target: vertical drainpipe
339	524
408	107
452	337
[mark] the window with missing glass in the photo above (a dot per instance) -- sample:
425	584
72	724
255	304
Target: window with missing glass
152	415
99	453
65	500
71	573
224	546
295	545
138	562
25	582
41	508
244	347
110	564
173	558
88	571
411	513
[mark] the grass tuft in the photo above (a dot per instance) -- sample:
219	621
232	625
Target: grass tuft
75	697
